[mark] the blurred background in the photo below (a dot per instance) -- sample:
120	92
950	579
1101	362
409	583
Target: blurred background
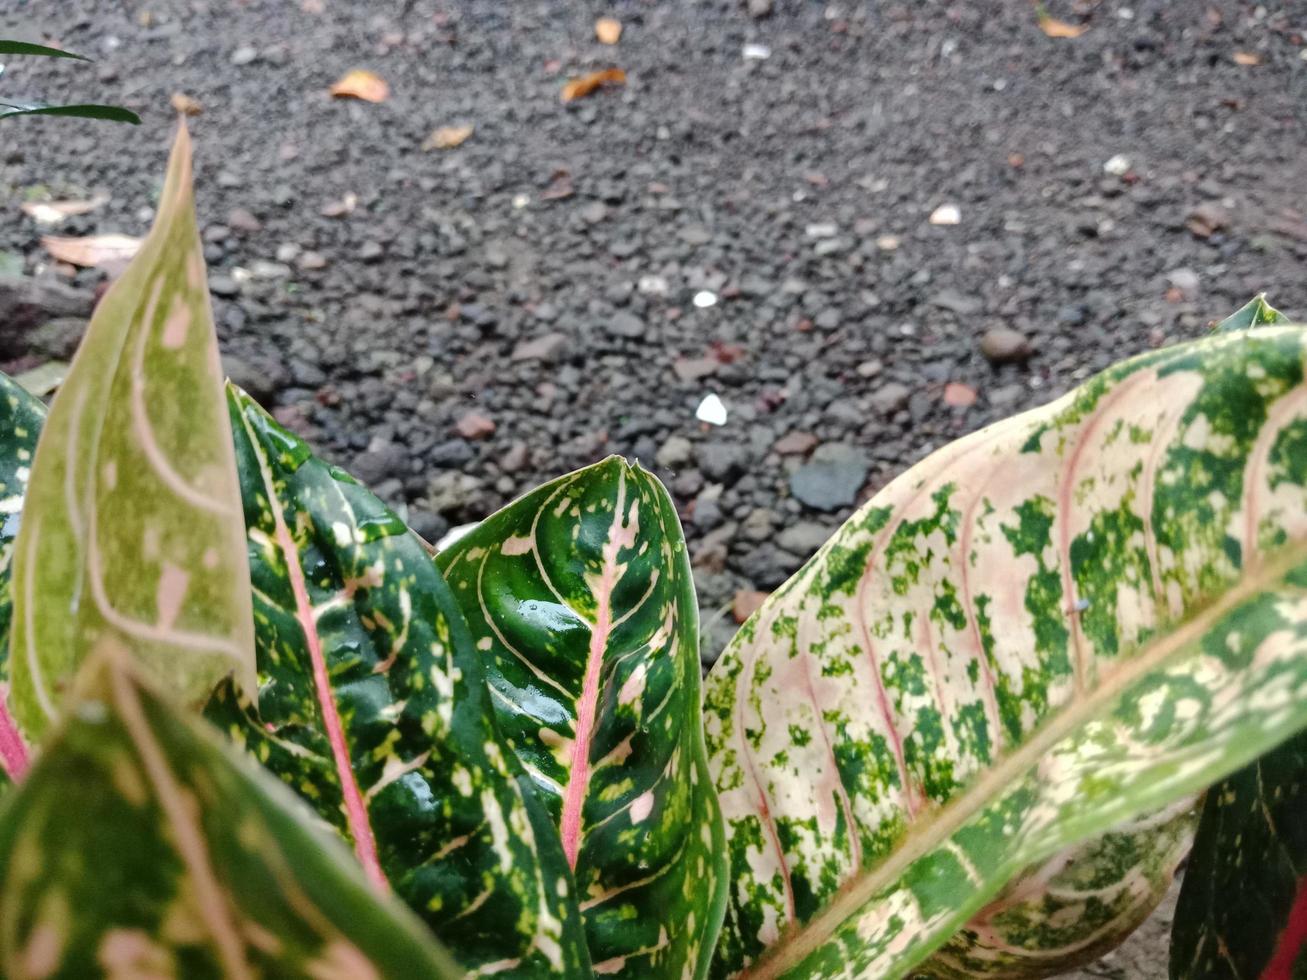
778	250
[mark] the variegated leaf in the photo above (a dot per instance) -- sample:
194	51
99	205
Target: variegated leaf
582	604
373	707
139	847
1255	313
21	417
1242	913
131	532
1054	625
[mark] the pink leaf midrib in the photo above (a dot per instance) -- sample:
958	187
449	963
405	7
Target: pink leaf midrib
356	811
13	751
578	780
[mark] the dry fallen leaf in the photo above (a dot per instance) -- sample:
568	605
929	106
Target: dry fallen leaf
579	88
184	104
361	84
1247	58
447	137
608	30
53	212
1060	28
96	251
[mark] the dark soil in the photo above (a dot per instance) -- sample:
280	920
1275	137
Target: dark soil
391	303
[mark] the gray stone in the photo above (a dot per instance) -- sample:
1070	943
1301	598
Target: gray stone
758	9
381	461
767	567
675	453
57	338
259	376
890	397
244	55
832	478
1002	345
721	462
624	324
25	303
451	452
547	347
956	302
224	286
804	538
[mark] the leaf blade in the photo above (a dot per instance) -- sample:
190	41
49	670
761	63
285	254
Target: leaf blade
372	706
84	110
150	799
135	471
27	48
581	600
1002	579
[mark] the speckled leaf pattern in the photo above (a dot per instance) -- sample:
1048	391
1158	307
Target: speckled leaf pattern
132	530
373	707
1242	913
139	847
21	418
581	601
1057	624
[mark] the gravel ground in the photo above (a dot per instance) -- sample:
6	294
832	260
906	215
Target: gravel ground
459	325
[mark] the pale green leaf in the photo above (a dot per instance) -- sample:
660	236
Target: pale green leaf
581	600
1255	313
132	531
139	846
1071	619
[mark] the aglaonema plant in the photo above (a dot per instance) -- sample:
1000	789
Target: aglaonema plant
256	729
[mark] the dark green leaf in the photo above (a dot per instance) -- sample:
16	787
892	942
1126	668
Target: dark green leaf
373	706
112	113
1243	907
1255	313
139	846
582	603
24	47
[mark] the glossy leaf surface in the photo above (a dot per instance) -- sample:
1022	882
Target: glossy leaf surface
138	846
8	47
1243	906
580	598
372	706
21	418
132	530
86	110
1059	623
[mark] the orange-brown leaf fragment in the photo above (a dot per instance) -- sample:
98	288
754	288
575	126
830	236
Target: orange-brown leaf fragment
1247	58
92	252
447	137
579	88
608	30
1060	28
361	84
184	104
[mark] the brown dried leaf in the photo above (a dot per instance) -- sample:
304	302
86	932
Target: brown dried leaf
1248	59
361	84
53	212
185	105
1060	28
448	137
608	30
579	88
95	251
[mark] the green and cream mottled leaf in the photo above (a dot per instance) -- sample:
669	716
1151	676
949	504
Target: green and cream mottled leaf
582	605
1055	625
1242	912
131	533
21	417
373	707
139	846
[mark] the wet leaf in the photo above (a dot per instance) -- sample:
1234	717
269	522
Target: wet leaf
448	137
579	88
1077	617
582	604
608	30
203	865
93	252
373	705
361	84
131	533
